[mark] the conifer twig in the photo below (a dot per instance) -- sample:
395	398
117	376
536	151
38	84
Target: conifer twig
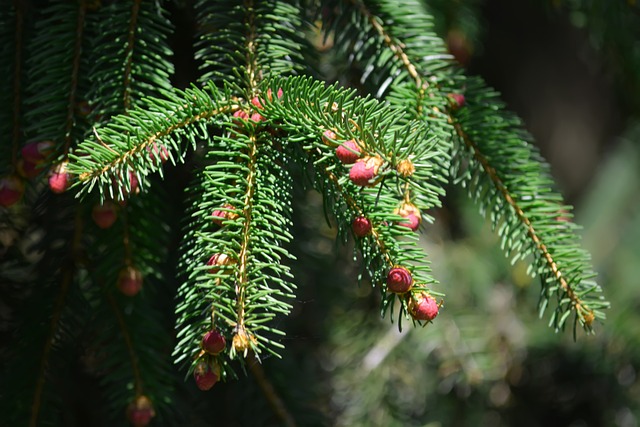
576	302
584	311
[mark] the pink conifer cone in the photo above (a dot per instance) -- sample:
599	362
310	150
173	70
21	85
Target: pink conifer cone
423	307
365	170
11	190
348	152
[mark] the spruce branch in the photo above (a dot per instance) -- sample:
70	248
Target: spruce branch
537	225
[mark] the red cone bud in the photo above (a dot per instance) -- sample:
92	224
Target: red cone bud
140	411
59	178
364	170
213	342
104	215
256	102
328	137
27	169
225	213
348	152
405	167
399	280
158	152
218	260
457	100
36	152
423	307
270	96
240	114
205	375
361	226
130	281
11	190
257	117
411	214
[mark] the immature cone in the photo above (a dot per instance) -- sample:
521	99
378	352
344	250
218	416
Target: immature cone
240	114
279	94
348	152
361	226
218	260
423	307
27	169
329	137
11	190
399	280
242	340
457	100
405	167
130	281
104	215
158	152
224	213
213	342
411	215
59	178
140	411
365	170
36	152
206	376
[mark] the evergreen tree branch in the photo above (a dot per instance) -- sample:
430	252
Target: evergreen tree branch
575	293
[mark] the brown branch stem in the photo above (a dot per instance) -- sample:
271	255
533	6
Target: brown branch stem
135	367
276	402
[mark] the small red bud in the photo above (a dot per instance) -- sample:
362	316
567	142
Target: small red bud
213	342
130	281
270	96
27	168
59	178
257	117
104	215
11	190
206	376
361	226
423	307
399	280
411	215
457	101
329	137
364	170
140	411
256	102
224	213
348	152
158	150
218	260
240	114
36	152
